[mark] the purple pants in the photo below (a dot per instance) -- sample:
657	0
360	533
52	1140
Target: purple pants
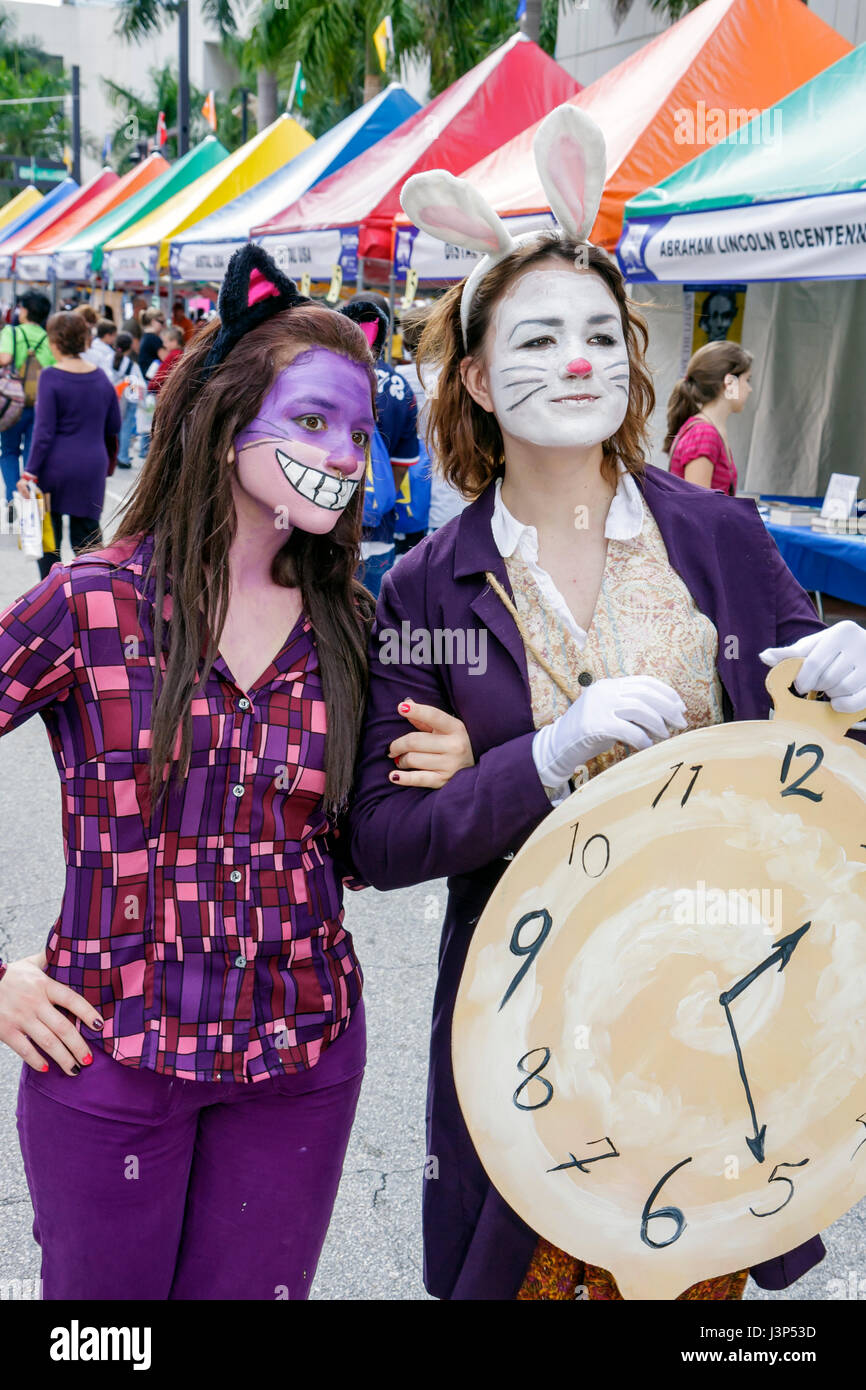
148	1187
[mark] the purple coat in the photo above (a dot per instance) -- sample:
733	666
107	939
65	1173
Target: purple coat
475	1246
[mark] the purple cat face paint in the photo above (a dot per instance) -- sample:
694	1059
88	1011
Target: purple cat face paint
305	452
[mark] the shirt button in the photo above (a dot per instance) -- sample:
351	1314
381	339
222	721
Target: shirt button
243	703
238	790
219	1076
235	875
240	962
584	678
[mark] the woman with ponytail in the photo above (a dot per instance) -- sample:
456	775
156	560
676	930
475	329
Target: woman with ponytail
202	680
717	384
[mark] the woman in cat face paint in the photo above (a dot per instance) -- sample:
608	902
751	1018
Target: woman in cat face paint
615	605
202	680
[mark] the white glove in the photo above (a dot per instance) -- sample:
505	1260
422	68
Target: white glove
834	662
635	710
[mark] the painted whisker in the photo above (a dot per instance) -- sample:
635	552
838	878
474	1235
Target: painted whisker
533	392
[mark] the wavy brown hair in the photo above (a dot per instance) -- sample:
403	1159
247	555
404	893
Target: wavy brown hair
184	499
703	382
466	439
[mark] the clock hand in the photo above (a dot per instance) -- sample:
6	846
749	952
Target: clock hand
782	952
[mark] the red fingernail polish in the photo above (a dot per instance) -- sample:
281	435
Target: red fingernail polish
44	1067
404	708
87	1060
395	777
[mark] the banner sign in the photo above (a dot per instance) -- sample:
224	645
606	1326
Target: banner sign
135	265
440	260
71	265
37	267
315	252
202	260
821	238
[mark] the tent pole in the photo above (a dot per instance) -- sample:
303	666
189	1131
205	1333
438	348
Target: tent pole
359	282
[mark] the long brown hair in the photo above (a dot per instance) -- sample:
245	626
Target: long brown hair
466	439
703	382
184	498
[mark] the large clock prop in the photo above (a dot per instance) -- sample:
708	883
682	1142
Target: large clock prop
659	1040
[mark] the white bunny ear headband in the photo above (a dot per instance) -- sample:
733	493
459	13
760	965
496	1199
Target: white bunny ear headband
571	161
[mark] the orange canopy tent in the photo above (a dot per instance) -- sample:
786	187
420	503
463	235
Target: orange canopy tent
34	261
691	86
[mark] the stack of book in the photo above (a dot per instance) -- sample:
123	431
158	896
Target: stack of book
790	514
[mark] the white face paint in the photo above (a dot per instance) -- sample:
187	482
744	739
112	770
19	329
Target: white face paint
557	365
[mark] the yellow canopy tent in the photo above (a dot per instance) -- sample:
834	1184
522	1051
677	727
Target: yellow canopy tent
22	202
141	252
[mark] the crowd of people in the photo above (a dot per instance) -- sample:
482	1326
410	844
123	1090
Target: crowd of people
90	390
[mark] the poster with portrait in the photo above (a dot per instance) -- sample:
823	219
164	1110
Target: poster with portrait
717	315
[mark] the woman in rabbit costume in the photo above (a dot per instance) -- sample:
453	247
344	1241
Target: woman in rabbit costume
613	606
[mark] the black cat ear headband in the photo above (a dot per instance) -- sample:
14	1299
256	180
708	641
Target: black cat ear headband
254	289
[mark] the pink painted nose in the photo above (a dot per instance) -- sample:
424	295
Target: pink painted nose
580	367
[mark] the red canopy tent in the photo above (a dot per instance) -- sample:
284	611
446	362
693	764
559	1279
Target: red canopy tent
350	216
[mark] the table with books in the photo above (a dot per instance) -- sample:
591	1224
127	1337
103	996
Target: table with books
825	556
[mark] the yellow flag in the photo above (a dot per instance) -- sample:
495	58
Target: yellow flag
209	111
383	38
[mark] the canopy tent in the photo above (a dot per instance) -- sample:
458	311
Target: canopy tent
59	193
349	216
690	86
81	257
37	262
792	208
202	252
76	201
138	254
15	209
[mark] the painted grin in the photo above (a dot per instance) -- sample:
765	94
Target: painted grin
325	490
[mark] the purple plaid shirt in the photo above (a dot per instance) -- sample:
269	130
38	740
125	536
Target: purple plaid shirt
209	936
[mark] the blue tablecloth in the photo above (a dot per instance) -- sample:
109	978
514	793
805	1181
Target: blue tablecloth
831	564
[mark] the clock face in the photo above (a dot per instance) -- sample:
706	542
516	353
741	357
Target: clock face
659	1040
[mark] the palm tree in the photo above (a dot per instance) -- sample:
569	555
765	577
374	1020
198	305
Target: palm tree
457	34
138	18
26	72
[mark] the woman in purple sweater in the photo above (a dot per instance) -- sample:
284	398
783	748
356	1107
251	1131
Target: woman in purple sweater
74	437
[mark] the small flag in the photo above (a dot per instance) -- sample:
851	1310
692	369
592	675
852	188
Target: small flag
299	88
161	130
383	39
209	110
106	148
411	288
335	286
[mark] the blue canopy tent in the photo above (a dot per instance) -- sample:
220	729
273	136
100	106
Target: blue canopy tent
201	253
58	194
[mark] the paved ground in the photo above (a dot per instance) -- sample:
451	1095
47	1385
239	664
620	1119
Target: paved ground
374	1246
